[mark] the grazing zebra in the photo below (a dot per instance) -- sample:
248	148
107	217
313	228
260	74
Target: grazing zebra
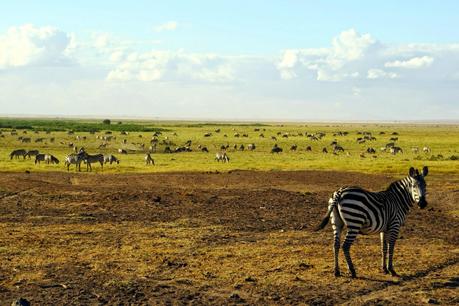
222	156
75	158
149	160
111	159
368	212
51	159
96	158
17	153
31	153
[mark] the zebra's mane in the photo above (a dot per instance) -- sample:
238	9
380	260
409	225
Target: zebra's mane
398	183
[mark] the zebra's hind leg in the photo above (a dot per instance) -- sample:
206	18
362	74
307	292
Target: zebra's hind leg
393	235
337	225
384	253
350	237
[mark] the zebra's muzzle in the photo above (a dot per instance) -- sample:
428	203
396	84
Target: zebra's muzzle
422	203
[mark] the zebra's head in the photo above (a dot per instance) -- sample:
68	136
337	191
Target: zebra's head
418	186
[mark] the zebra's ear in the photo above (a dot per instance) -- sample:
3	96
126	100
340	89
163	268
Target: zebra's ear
412	172
425	171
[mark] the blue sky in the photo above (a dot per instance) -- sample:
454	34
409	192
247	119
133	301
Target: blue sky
343	59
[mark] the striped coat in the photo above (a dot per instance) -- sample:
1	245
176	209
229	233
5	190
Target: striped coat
364	212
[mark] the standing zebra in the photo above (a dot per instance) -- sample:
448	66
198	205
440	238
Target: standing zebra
149	160
75	158
368	212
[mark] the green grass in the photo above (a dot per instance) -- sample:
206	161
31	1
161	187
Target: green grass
442	139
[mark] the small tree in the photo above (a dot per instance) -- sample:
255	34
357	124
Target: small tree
106	121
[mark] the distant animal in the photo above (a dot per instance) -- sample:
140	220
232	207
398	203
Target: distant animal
111	159
365	212
76	159
395	150
276	149
251	147
207	134
337	149
393	139
149	160
324	150
51	159
293	147
371	151
415	150
426	150
122	151
274	138
222	156
204	149
90	159
25	140
308	149
39	158
31	153
17	153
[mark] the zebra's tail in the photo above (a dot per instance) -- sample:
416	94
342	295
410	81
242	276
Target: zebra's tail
334	200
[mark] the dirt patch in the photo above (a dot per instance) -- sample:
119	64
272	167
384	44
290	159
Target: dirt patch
208	238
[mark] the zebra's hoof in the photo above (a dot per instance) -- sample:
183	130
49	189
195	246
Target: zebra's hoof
384	270
393	273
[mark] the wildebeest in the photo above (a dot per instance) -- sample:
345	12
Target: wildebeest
293	147
337	149
324	150
25	140
371	151
276	149
96	158
222	156
17	153
51	159
31	153
111	159
207	134
39	158
149	160
308	149
393	139
204	149
241	147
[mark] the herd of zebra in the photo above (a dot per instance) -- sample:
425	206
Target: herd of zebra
75	158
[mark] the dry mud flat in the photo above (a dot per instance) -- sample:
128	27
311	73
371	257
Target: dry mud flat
211	238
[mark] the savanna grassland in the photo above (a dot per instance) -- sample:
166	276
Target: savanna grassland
191	231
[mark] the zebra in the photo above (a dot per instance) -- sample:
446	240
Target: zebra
89	159
222	156
75	158
366	212
395	150
17	153
149	160
111	159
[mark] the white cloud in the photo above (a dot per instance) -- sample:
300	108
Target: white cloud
329	64
168	26
29	45
172	66
413	63
380	74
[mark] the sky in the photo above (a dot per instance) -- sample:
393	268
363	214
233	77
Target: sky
231	60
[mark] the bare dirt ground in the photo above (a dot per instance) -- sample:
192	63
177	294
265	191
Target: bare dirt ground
211	238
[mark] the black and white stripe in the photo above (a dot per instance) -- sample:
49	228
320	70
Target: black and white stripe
365	212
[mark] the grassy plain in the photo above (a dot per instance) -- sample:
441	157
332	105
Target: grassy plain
442	139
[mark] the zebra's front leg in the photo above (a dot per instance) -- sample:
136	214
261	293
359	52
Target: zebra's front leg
393	235
384	253
350	237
